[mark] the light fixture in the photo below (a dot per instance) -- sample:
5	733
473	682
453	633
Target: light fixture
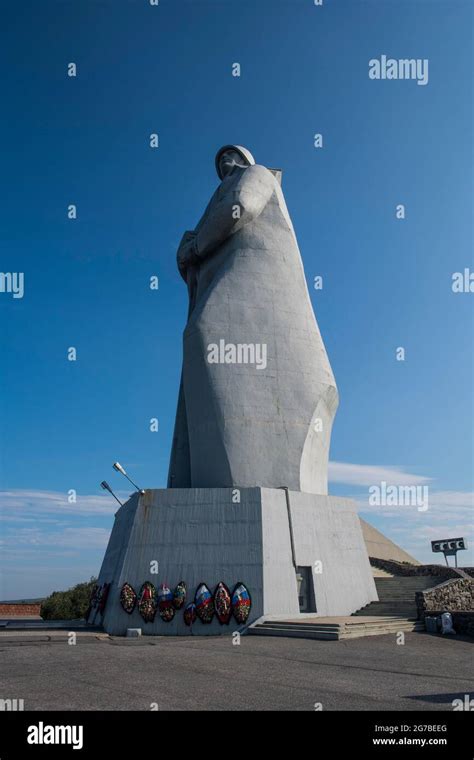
106	487
118	467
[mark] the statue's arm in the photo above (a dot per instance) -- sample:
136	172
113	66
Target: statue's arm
234	209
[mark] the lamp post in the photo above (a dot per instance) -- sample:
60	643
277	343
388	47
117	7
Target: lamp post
106	487
118	467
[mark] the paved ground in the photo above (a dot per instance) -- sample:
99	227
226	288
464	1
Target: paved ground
185	673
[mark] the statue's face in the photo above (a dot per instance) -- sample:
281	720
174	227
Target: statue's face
228	160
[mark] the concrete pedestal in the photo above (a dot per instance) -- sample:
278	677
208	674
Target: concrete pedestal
260	536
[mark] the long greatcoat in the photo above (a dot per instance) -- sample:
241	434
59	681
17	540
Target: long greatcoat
238	424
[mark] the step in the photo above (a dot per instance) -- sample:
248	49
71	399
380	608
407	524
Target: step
383	605
297	634
404	600
377	572
400	590
387	613
412	577
357	623
393	595
380	632
300	626
409	601
397	605
336	631
410	598
407	582
404	594
408	612
386	619
354	622
389	623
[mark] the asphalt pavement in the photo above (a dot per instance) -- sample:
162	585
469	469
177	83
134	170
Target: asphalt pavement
212	673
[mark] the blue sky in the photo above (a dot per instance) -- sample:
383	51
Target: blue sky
387	282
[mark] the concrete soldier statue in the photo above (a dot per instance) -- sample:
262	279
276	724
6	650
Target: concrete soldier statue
257	397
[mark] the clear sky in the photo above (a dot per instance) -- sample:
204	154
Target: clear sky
387	282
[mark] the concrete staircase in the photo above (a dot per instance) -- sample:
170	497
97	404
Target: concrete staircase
338	628
394	612
397	596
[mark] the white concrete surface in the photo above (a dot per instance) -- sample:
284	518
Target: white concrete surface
204	535
245	423
381	547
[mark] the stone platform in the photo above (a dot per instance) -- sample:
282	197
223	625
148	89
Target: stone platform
335	628
259	536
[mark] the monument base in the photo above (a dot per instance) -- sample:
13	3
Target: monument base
295	552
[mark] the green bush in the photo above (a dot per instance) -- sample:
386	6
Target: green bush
68	605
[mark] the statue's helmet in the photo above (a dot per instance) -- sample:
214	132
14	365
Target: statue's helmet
243	152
